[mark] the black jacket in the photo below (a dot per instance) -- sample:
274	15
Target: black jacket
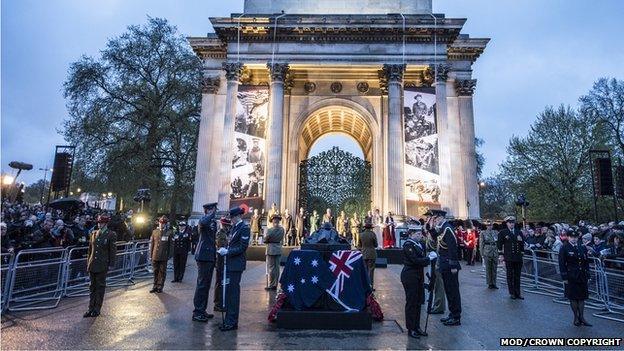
206	246
574	263
239	241
509	246
181	241
447	247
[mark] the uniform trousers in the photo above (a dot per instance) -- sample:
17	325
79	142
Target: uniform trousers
218	292
273	268
232	297
179	265
96	290
491	264
370	268
160	273
514	270
204	280
439	298
413	300
451	288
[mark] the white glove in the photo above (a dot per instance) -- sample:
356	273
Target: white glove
222	251
433	255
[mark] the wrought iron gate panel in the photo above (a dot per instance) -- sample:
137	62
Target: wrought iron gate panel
335	179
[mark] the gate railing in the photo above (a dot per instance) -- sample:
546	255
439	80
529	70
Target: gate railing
39	278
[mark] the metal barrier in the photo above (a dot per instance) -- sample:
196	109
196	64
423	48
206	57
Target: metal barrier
7	263
141	260
613	287
76	276
37	279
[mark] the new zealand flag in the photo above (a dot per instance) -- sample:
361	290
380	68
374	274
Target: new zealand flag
352	284
305	278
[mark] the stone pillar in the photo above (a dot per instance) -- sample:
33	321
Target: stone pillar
457	193
444	151
465	89
396	159
203	192
274	170
232	73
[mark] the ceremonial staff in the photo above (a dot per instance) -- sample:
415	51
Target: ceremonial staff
430	286
223	309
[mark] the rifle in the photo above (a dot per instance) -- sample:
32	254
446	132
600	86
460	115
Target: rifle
430	287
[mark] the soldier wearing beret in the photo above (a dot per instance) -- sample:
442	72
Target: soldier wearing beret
574	268
511	247
181	247
205	258
160	246
101	256
235	263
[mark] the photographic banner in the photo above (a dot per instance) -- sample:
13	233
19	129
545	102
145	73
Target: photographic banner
249	147
422	174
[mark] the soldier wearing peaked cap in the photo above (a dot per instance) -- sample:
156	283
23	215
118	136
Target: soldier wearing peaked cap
100	258
205	256
511	247
489	251
181	248
368	244
160	246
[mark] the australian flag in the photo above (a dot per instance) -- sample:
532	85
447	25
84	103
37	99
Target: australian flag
305	278
351	286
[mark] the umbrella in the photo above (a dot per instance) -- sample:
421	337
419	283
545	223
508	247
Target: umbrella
66	204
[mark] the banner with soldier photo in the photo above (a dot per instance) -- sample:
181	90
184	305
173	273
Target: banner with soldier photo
421	146
248	154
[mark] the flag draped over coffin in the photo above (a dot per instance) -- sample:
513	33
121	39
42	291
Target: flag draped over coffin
305	278
352	284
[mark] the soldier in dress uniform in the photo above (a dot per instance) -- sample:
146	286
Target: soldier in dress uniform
341	224
254	224
301	226
488	247
415	259
574	268
205	258
101	256
314	222
289	227
449	265
222	238
273	210
236	264
354	227
368	245
181	247
273	239
511	247
328	217
160	246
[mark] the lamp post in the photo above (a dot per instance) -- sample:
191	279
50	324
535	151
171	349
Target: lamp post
45	176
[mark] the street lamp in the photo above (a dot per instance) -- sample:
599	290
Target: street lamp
8	179
78	190
110	194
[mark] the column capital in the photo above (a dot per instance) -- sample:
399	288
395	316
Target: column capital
233	70
394	72
465	87
278	71
210	85
442	72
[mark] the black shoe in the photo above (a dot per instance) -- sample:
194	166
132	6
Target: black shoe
95	314
153	290
209	315
513	297
584	322
224	328
452	322
421	333
175	281
200	318
413	334
577	322
439	312
494	287
158	291
445	319
219	309
88	314
519	297
268	288
490	286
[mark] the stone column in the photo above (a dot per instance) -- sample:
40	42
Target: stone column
203	192
233	71
465	89
396	159
457	193
273	182
444	151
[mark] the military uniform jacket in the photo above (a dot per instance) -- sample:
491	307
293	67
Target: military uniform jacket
300	224
255	224
206	250
102	250
236	258
222	238
414	261
182	241
368	243
488	243
447	247
574	263
288	224
160	245
273	240
509	246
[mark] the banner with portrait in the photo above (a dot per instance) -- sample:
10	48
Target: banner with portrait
422	174
249	147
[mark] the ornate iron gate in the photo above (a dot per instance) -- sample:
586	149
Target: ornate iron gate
335	179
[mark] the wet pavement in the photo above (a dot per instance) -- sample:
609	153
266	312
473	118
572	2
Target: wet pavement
132	318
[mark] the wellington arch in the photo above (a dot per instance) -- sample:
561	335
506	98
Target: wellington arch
392	75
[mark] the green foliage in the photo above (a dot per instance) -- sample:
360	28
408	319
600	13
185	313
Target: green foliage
32	193
134	116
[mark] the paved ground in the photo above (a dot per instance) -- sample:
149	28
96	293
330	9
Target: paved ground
134	319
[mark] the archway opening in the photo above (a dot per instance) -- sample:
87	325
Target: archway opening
341	140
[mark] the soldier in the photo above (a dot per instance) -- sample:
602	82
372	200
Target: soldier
222	238
354	226
328	217
511	248
274	210
574	268
415	259
254	223
368	245
448	263
341	224
273	240
181	247
489	252
205	258
300	224
236	264
439	298
100	258
314	222
289	227
160	246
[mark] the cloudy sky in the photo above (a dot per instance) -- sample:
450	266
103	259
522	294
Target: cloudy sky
542	53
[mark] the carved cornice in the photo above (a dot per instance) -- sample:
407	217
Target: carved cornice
394	72
210	85
278	71
233	70
465	87
210	47
466	48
